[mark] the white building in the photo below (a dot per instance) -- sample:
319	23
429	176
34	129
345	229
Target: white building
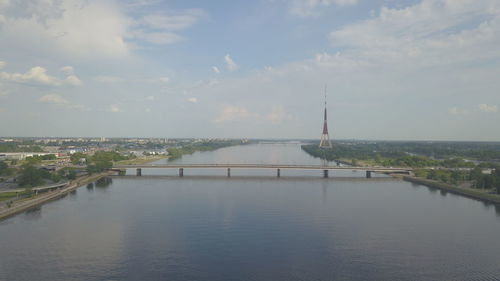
21	155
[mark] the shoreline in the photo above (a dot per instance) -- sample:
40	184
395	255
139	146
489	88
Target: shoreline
26	204
29	203
469	193
142	160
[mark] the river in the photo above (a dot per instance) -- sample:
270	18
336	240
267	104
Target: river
253	226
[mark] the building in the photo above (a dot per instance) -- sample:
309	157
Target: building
22	155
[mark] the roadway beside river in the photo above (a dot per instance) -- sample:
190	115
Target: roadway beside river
22	205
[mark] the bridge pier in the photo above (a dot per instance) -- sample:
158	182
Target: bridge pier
138	172
228	172
325	174
278	173
181	172
368	174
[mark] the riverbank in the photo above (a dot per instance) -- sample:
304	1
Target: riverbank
28	203
178	152
142	160
467	192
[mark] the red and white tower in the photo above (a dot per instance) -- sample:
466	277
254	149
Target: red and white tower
325	141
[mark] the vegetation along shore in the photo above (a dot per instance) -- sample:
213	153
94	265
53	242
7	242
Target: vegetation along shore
467	168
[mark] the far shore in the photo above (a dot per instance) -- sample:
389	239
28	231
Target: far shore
142	160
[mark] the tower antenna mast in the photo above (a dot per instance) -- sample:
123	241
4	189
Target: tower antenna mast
325	141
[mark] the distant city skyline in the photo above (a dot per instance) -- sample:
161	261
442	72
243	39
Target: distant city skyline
395	70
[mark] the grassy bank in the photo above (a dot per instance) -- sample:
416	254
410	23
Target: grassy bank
7	195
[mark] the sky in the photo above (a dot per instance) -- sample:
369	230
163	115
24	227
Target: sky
393	69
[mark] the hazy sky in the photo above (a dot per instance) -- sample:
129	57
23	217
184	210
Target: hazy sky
427	69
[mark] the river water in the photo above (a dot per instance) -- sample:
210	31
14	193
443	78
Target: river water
253	226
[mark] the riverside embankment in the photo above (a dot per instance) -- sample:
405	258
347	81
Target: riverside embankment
25	204
470	193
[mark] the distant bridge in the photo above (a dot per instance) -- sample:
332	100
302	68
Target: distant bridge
277	167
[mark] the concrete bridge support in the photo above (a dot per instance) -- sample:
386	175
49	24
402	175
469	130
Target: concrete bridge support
181	172
325	174
278	173
138	172
368	174
228	172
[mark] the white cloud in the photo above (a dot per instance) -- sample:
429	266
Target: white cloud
488	108
230	64
68	70
75	28
305	8
38	75
73	80
457	111
89	29
172	21
216	69
114	108
160	38
165	79
278	115
233	113
53	98
430	32
162	27
60	101
193	100
149	98
2	64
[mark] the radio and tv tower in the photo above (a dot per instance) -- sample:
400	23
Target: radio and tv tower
325	141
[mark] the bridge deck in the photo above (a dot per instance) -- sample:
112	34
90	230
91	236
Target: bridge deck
262	166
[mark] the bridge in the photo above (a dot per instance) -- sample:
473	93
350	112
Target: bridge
277	167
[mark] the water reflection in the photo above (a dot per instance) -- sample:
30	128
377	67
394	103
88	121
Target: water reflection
324	195
497	209
254	227
34	213
415	185
443	192
104	182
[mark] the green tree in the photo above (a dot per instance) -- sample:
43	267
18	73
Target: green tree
4	168
71	175
75	157
476	176
496	174
30	176
33	159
